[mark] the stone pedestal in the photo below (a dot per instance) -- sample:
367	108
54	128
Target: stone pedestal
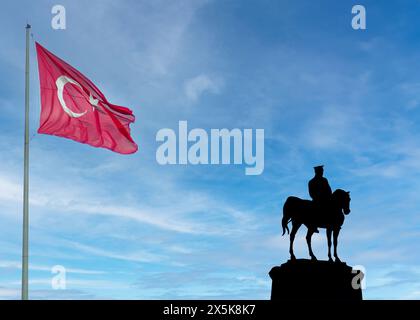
315	280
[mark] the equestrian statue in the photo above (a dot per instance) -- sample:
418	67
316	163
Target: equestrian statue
326	210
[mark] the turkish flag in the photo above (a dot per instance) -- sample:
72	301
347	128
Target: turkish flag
73	107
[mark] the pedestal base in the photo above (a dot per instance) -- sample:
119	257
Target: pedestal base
315	280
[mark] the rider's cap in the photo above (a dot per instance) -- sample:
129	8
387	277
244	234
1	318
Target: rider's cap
319	167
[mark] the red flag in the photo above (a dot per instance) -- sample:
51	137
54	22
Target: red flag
73	107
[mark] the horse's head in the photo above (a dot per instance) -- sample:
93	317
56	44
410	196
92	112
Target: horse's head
342	199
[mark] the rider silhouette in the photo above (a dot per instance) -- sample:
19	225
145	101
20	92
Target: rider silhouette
320	192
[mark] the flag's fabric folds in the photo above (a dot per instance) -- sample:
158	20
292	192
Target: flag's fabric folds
74	108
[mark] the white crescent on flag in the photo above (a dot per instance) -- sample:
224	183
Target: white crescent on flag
60	83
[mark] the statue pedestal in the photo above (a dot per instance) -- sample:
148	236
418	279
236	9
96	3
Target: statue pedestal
315	280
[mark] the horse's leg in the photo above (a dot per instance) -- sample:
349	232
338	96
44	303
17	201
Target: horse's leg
308	241
335	235
329	232
295	228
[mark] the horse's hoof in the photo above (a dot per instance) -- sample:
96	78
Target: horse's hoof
313	258
292	258
337	260
330	259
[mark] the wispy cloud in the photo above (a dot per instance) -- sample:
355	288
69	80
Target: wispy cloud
35	267
172	218
140	256
197	86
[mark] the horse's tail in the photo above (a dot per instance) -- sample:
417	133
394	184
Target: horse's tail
284	223
286	217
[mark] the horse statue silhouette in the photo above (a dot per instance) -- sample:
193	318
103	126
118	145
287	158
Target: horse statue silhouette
299	211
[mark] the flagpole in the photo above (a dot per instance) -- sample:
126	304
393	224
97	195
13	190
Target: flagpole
25	238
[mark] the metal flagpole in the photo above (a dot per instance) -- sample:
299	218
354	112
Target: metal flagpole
25	244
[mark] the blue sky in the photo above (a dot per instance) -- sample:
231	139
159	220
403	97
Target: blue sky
125	227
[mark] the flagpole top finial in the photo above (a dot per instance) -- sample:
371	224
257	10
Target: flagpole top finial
28	26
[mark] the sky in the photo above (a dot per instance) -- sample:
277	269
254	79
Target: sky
125	227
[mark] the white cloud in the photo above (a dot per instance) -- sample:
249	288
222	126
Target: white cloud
177	216
10	189
9	293
18	265
195	87
411	91
139	256
332	127
75	283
